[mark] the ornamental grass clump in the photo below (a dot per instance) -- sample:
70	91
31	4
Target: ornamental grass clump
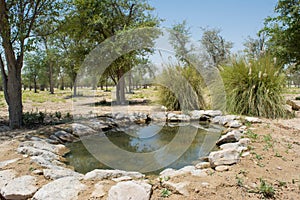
255	88
181	88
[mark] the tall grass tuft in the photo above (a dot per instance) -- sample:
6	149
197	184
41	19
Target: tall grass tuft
181	88
255	88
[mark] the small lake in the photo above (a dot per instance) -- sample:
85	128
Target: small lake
144	148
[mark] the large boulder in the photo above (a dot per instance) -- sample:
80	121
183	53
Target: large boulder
64	136
130	190
196	114
82	130
67	188
224	157
20	188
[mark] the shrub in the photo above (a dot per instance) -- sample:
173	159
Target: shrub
255	89
181	88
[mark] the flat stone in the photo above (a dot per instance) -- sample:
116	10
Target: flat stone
82	130
213	113
45	162
130	190
64	136
60	173
59	149
253	120
99	191
203	165
67	188
109	174
234	124
224	157
8	162
6	176
199	173
31	151
20	188
159	116
178	188
222	168
196	114
205	184
232	136
245	154
122	178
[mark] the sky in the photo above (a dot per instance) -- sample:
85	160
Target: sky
237	19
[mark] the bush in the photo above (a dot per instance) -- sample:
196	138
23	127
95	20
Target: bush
181	89
255	89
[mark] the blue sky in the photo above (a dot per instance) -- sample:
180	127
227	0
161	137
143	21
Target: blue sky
237	19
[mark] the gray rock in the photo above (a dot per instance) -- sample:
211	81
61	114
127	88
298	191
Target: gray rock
46	163
222	168
130	190
6	176
7	162
64	136
82	130
253	120
31	151
4	128
109	174
223	120
99	191
60	172
202	165
42	145
234	124
199	173
122	178
158	116
67	188
20	188
224	157
232	136
169	172
213	113
196	114
178	188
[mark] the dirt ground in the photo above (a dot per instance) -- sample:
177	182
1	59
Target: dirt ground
274	158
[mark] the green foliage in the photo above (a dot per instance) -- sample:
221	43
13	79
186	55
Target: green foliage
251	135
266	189
182	89
255	88
165	192
32	118
283	31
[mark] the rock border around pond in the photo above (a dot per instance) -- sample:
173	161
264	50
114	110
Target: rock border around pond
49	156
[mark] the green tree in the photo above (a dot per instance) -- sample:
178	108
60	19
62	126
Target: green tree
18	19
283	32
216	46
112	17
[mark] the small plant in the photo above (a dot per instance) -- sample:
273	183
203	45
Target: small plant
278	155
165	192
251	135
267	138
243	172
240	181
289	146
33	118
58	114
266	189
257	156
281	183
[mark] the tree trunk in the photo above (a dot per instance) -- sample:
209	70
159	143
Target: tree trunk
121	88
62	86
51	85
75	89
15	107
35	85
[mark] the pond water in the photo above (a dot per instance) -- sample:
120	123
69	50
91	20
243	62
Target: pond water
146	149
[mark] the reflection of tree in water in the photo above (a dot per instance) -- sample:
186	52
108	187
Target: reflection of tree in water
142	139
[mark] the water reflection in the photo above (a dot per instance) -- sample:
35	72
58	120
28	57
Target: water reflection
144	148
